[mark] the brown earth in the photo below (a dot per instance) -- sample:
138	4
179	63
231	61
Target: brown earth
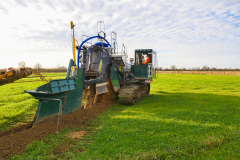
15	129
109	95
201	72
16	140
76	134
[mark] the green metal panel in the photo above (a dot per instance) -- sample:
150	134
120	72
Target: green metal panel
74	97
150	58
140	70
115	78
49	107
143	50
144	70
136	70
77	101
68	91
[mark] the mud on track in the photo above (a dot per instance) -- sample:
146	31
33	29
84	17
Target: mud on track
16	140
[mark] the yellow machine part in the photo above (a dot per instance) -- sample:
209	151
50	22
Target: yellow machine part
100	66
15	74
7	74
74	52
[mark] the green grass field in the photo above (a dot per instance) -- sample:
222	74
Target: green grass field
17	107
183	117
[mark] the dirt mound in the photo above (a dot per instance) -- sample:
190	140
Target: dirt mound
76	134
109	95
16	140
16	129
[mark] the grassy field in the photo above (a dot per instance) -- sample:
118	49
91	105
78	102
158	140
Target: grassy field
17	107
184	117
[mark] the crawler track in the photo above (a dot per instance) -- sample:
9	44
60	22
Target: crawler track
133	93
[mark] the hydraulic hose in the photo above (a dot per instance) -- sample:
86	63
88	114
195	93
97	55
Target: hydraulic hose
79	49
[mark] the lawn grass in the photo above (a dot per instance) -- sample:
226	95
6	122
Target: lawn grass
183	117
17	107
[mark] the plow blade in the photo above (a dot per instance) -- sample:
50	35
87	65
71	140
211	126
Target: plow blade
59	97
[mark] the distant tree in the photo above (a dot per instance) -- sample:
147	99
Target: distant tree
205	68
214	68
37	66
173	67
21	64
160	68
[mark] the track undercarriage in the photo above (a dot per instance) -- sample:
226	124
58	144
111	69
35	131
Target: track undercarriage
133	93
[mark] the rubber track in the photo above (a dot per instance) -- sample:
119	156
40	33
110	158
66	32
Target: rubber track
132	94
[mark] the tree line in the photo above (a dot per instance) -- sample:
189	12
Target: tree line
204	68
38	66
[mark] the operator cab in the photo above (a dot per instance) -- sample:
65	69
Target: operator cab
143	56
145	63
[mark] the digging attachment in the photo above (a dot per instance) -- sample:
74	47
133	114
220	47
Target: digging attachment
131	94
62	96
59	97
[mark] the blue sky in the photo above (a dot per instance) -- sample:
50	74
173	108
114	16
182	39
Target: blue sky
186	33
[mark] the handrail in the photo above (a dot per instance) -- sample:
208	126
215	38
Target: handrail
86	41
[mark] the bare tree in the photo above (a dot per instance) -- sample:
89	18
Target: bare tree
21	64
205	68
173	67
215	68
37	66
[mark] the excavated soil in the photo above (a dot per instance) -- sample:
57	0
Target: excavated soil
109	95
76	134
16	140
16	129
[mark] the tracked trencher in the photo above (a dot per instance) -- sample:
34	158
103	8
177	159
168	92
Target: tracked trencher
93	68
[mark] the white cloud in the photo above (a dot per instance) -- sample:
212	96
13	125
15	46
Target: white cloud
186	33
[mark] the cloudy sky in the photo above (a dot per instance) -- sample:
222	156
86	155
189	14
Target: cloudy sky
185	33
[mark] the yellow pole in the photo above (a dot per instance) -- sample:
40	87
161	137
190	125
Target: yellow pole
74	52
73	45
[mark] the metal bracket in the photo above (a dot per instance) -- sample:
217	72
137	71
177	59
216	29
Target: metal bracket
45	101
71	63
87	82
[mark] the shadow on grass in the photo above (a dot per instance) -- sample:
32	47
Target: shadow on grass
172	125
